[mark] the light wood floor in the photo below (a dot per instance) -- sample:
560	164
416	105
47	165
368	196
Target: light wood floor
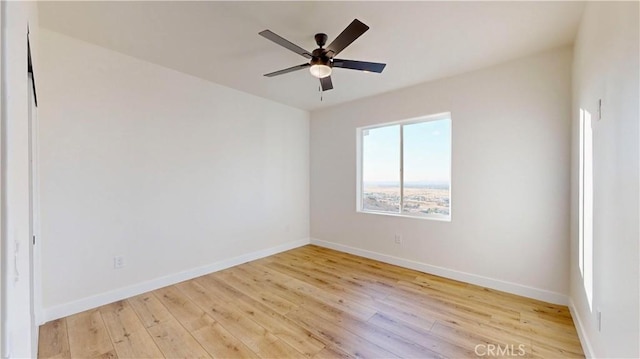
316	303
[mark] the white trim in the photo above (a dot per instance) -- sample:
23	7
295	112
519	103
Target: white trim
97	300
509	287
582	333
34	218
412	120
3	256
431	217
359	181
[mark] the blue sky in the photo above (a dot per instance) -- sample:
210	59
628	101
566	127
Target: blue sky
427	153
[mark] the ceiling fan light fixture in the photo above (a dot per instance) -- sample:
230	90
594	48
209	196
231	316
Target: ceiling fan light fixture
320	70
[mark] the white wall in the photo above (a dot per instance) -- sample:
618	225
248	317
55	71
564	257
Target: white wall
170	171
19	335
510	186
606	67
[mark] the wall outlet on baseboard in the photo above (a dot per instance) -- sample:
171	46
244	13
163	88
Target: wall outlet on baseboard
118	262
398	238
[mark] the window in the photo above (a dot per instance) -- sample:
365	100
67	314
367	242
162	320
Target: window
404	168
585	205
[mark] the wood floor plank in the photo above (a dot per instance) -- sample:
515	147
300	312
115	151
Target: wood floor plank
53	340
452	297
406	330
493	333
249	332
382	271
334	300
436	310
149	309
88	337
339	336
276	284
405	315
249	285
183	308
350	283
390	340
278	349
330	352
471	340
111	354
175	341
328	278
299	292
279	325
315	302
130	338
221	344
543	350
400	345
556	335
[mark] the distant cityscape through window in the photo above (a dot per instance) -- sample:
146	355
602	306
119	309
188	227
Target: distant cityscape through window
405	168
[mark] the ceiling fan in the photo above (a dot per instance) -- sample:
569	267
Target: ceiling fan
322	60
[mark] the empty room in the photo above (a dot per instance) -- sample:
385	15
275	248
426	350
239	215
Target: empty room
320	179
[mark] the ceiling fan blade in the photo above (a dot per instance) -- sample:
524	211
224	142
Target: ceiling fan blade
285	43
284	71
359	65
347	36
326	83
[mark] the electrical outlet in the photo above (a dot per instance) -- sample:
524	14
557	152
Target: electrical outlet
118	262
398	238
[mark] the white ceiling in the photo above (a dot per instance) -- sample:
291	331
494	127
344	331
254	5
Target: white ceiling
219	41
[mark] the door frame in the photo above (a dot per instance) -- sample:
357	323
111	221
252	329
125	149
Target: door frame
34	206
2	256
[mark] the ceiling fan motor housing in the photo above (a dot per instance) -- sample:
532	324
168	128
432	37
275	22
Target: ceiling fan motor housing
320	57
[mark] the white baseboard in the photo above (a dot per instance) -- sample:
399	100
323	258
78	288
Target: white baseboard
514	288
582	333
95	301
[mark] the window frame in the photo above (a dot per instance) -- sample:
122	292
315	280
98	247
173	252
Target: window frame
585	203
359	164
